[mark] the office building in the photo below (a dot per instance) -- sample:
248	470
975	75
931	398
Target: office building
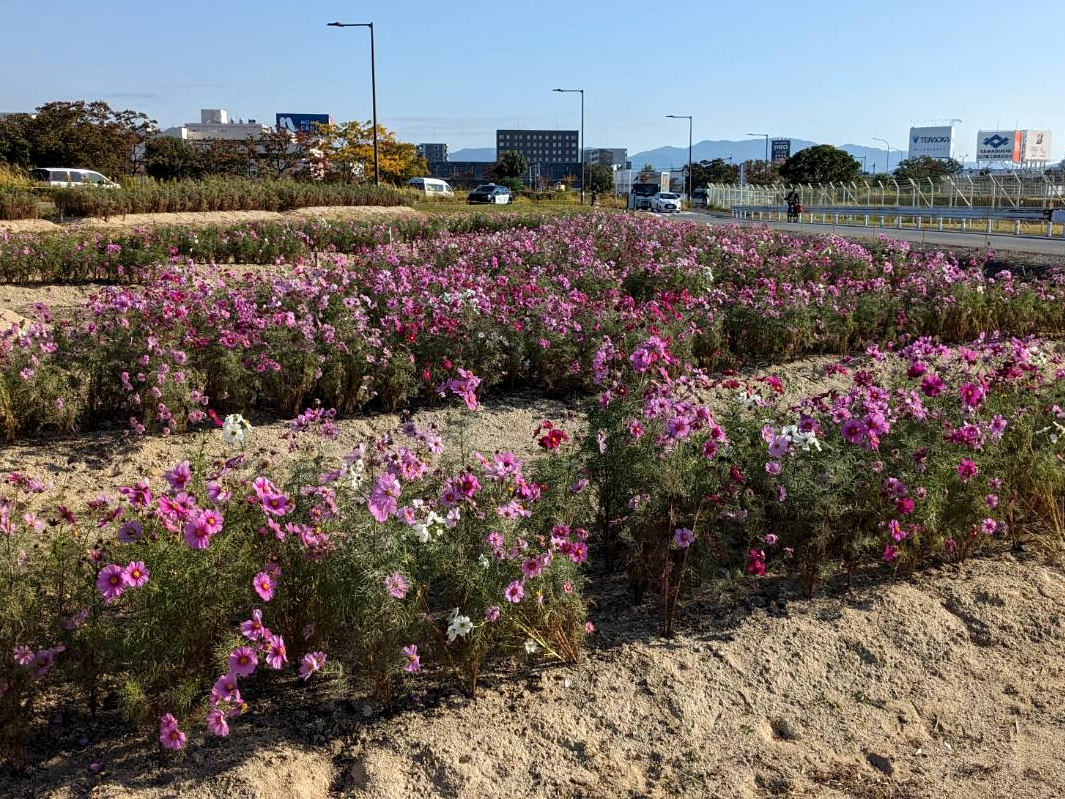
215	124
613	157
433	153
540	146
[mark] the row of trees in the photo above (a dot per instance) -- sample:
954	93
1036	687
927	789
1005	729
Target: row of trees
92	135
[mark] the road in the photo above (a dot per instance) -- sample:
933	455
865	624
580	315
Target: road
998	242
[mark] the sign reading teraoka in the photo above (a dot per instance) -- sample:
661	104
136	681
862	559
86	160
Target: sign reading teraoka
935	142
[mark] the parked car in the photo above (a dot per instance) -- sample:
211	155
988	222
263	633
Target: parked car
65	176
666	202
490	193
433	187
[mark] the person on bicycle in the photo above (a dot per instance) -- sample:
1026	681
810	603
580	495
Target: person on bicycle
792	199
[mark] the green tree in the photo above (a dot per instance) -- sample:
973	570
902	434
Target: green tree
600	178
716	171
822	163
511	165
167	158
280	153
759	173
89	135
925	166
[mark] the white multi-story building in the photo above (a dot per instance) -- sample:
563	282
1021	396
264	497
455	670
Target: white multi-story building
215	124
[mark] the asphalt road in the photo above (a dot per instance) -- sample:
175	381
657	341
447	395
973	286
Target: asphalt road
998	242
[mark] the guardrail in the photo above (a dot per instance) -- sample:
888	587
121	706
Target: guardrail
1047	217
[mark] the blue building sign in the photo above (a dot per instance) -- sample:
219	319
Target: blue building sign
303	123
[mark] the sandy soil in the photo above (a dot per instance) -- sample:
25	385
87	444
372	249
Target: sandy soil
360	213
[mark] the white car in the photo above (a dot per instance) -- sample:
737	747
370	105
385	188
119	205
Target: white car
666	202
64	177
433	187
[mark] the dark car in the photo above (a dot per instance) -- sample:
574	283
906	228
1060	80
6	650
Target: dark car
489	193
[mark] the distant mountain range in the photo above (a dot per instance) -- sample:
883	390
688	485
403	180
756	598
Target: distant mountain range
742	150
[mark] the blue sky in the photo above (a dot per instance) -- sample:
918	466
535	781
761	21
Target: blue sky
839	72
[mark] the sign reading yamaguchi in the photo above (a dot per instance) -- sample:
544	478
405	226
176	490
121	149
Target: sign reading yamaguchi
998	145
934	142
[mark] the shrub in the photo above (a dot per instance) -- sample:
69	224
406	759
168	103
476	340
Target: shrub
218	194
928	455
390	559
17	203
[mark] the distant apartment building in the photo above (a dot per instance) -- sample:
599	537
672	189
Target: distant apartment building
540	146
433	153
461	172
215	124
613	157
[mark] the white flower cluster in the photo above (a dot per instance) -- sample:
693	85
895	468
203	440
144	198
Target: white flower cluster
1055	430
749	400
458	626
803	439
234	427
434	523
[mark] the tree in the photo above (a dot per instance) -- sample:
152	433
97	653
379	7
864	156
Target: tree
759	173
166	158
346	152
600	178
822	163
511	165
924	167
77	134
716	171
280	152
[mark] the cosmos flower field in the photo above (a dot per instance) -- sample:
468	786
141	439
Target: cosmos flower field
941	434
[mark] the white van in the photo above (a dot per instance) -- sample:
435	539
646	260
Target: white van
62	176
433	187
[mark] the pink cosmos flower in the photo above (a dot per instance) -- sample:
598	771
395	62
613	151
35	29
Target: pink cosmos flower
276	654
904	505
170	735
414	663
468	485
491	614
216	722
589	628
772	467
110	582
264	585
779	447
991	500
135	574
311	663
386	491
770	539
683	537
967	470
933	385
397	585
212	520
514	591
988	526
276	504
890	553
756	562
578	552
225	690
972	394
253	628
23	655
179	476
130	532
197	533
242	661
531	567
853	431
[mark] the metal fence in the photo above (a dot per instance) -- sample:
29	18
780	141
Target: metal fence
1005	191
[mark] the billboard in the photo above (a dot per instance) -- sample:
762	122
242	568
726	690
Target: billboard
1036	145
998	145
781	150
934	142
301	122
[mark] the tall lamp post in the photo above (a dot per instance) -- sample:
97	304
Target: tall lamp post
582	135
373	89
691	178
887	163
766	154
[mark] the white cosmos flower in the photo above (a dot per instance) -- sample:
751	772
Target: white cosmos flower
421	532
531	646
749	400
233	429
459	626
484	561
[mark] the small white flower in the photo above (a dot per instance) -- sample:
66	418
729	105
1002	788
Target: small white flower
233	428
531	646
459	627
749	400
484	561
421	532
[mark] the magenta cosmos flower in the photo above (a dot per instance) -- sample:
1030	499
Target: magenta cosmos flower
683	537
972	394
264	586
135	574
179	476
276	654
967	470
242	661
311	662
397	585
410	652
492	614
514	591
853	431
197	533
111	582
386	491
225	690
216	722
253	628
170	735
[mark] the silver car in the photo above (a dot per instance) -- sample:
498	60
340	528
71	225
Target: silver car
666	202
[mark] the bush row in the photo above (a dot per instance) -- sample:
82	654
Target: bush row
17	203
218	194
127	256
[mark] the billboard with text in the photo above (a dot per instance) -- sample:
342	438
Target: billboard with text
934	142
999	145
781	150
301	122
1036	145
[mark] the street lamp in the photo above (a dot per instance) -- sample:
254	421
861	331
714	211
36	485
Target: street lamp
691	177
766	154
582	135
887	163
373	89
